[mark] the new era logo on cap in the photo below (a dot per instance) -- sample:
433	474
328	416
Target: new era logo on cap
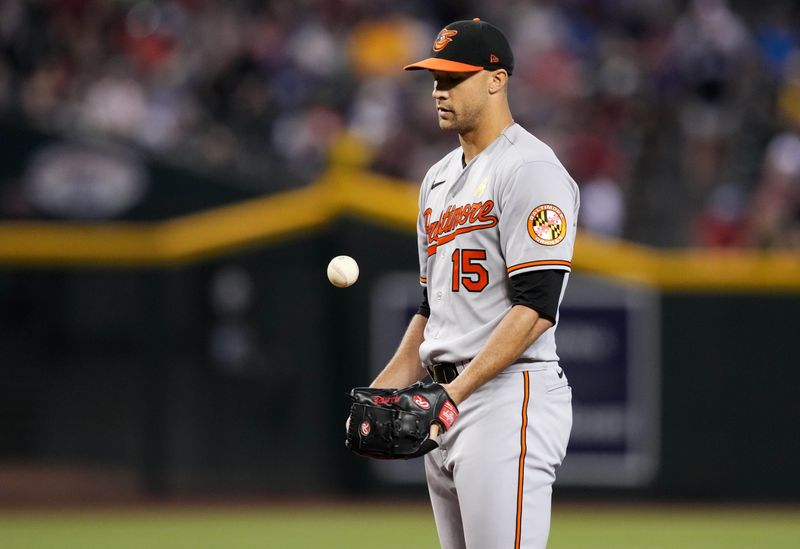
468	46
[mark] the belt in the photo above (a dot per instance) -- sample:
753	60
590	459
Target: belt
445	372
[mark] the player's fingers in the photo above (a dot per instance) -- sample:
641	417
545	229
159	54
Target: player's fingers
434	434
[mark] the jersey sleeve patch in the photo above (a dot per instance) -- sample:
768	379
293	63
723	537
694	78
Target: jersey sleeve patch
547	225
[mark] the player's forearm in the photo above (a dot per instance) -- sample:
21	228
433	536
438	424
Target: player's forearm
405	367
515	333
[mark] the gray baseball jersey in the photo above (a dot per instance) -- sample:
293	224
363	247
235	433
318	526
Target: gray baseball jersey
511	210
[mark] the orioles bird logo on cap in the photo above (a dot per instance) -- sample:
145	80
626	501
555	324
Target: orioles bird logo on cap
444	38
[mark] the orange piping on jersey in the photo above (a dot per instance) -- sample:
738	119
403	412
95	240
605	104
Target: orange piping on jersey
423	280
542	263
523	452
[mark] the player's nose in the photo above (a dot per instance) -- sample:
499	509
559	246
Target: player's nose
437	92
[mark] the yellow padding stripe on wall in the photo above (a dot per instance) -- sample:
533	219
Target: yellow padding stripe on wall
690	269
382	201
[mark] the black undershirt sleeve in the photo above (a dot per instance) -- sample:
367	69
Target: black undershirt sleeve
424	307
538	290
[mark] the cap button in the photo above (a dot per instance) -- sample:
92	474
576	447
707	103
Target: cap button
477	19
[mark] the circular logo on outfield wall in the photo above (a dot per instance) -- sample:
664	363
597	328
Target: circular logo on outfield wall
365	428
74	181
547	225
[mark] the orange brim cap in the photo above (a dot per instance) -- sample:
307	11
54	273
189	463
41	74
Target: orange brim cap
444	65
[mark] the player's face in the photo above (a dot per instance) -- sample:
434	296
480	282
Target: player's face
460	99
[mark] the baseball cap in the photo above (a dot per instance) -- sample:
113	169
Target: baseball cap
468	46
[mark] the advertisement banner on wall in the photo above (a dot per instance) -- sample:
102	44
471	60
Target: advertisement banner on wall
608	342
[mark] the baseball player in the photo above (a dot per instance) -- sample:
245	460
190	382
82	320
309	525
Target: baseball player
496	231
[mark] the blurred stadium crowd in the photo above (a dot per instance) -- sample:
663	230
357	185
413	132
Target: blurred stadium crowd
680	120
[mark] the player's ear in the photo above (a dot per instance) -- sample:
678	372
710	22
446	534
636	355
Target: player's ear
497	81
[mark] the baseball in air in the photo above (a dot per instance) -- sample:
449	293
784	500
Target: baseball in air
343	271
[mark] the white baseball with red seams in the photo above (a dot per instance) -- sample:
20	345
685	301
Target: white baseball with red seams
343	271
511	210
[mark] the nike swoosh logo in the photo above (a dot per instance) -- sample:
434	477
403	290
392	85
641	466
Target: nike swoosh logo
438	183
560	373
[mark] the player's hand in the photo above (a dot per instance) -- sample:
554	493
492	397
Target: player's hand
434	431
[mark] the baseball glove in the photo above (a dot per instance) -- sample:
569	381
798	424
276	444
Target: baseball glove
395	423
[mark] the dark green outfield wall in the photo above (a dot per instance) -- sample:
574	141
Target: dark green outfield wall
731	406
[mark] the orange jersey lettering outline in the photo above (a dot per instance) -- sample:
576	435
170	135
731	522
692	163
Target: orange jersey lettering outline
457	220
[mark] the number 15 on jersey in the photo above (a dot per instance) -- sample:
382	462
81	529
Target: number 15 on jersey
468	271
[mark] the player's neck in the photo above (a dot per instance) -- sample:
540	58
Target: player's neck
484	134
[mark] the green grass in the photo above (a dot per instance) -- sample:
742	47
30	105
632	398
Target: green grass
388	527
655	527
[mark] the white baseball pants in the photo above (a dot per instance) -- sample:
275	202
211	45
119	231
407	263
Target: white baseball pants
490	481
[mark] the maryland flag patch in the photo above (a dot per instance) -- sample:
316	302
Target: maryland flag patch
547	225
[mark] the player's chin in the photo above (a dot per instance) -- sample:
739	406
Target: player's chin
447	124
446	119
